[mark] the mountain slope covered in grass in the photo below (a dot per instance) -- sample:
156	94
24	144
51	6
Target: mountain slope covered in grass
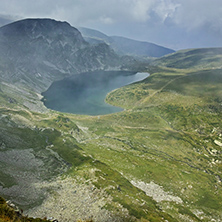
193	58
158	160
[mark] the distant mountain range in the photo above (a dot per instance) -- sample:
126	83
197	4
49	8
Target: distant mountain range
36	52
125	46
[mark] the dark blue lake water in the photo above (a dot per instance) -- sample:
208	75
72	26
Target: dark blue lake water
85	93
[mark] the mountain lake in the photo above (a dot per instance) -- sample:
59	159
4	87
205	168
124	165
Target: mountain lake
85	93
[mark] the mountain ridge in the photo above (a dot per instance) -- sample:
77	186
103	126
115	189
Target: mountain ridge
192	58
124	45
37	52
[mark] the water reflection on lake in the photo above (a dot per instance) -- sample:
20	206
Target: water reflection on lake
85	93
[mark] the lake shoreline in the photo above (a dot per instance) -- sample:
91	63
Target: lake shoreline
85	94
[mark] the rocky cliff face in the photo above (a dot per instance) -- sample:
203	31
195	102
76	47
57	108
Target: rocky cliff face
36	52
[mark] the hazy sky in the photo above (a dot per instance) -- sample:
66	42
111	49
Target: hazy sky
172	23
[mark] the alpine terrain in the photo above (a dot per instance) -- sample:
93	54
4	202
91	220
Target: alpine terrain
159	159
125	46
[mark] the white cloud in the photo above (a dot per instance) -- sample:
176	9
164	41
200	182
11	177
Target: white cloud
166	9
195	14
188	13
106	20
140	9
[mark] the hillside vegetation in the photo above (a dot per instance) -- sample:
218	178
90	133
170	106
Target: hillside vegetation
7	213
158	160
192	58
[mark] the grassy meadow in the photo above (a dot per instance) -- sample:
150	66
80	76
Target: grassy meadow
158	160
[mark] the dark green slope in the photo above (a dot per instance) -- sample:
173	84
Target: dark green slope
8	213
174	125
193	58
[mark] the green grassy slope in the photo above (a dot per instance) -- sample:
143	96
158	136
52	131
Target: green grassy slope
192	58
59	132
7	213
158	160
177	127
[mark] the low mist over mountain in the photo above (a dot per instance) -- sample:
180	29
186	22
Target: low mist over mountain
125	46
39	51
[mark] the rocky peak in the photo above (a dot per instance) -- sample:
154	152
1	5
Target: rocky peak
41	34
33	28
